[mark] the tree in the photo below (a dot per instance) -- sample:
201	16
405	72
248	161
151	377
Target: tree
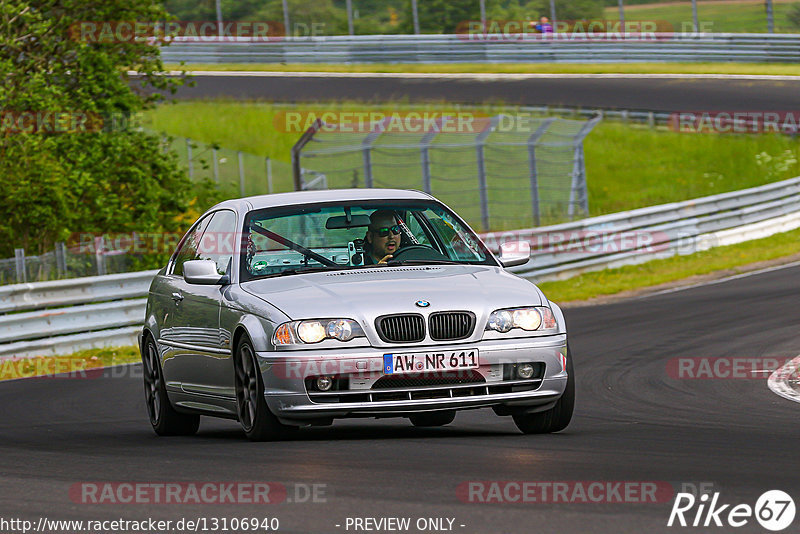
85	174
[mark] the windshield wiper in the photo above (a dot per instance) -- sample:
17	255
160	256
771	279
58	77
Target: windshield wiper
424	262
301	270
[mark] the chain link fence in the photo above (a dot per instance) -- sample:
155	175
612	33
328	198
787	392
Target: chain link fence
501	174
86	259
236	173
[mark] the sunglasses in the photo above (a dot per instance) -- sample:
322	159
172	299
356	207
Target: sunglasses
383	232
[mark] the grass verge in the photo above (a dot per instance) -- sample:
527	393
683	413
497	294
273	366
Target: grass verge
780	69
727	260
82	364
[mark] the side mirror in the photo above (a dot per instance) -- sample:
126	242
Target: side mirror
203	272
515	253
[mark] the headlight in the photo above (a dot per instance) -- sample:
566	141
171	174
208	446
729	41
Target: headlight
314	331
540	318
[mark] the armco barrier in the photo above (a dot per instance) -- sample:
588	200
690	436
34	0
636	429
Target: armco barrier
67	315
496	48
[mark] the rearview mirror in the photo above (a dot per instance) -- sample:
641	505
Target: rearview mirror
338	222
203	272
515	253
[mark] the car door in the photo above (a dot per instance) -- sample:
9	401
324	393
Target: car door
197	354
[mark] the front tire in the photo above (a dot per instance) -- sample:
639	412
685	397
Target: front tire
556	418
258	422
165	420
432	419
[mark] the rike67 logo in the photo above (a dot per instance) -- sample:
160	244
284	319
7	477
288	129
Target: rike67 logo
774	510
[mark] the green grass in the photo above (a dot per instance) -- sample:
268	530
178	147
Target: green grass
775	69
630	167
719	17
77	362
730	258
627	166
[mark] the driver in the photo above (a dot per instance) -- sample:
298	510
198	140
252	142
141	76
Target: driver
383	237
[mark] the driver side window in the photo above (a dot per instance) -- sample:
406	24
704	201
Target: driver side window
188	250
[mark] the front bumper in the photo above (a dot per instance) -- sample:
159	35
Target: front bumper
285	373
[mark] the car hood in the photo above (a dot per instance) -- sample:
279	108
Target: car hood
364	294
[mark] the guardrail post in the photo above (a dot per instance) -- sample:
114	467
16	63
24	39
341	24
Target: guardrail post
99	254
349	9
269	175
189	158
61	258
286	30
241	172
770	18
534	171
19	265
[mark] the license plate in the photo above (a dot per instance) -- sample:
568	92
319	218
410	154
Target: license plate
423	362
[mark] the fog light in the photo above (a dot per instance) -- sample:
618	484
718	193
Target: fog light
324	383
525	370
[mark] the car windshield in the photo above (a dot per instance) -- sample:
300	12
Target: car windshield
284	241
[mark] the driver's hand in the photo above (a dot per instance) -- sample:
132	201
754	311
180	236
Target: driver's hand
385	259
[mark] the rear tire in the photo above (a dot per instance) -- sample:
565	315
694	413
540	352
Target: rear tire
165	420
258	422
432	419
556	418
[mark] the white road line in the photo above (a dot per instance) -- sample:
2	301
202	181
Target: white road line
721	280
778	381
488	76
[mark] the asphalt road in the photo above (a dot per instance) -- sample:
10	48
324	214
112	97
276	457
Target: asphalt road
634	422
625	92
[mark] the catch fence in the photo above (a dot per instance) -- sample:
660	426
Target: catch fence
500	173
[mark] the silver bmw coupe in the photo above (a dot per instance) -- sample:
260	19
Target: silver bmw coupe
294	309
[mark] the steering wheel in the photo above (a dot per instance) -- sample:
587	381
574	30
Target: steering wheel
417	252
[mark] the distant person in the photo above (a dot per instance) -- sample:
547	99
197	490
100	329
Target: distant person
544	26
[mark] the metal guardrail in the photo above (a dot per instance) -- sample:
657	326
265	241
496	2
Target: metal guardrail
493	48
67	315
40	295
565	250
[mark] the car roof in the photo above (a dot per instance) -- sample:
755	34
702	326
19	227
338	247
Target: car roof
298	198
